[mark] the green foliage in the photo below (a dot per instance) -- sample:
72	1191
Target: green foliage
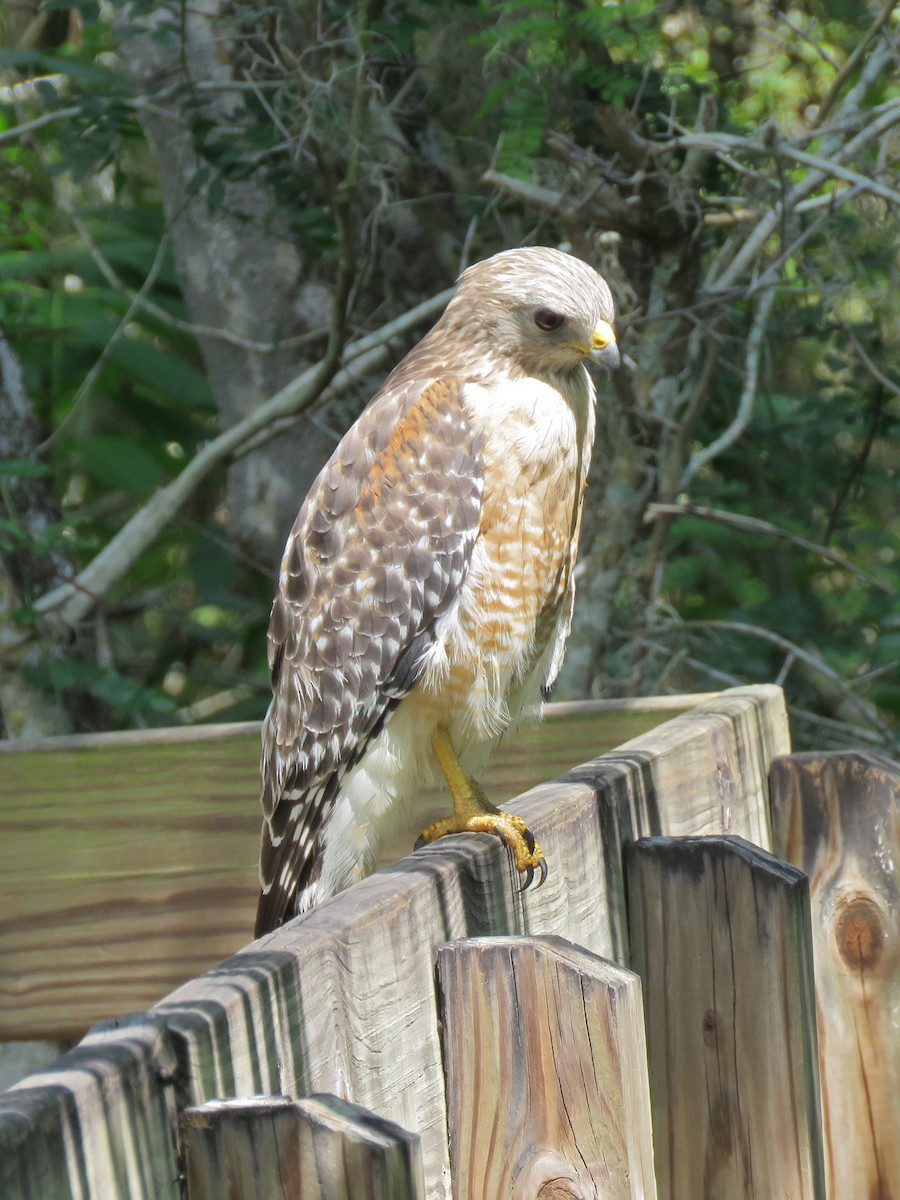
553	65
123	401
120	392
117	694
820	462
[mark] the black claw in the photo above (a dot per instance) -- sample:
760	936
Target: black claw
529	839
421	841
529	875
542	867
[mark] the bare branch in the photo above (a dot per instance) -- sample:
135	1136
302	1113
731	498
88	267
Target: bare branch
735	217
93	374
856	469
530	193
831	200
814	661
73	600
811	183
855	59
801	33
28	127
748	394
756	525
779	148
851	733
878	376
835	169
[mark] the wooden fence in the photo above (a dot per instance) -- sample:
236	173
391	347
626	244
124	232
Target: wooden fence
434	1024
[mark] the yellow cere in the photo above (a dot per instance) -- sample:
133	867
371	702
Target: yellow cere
603	336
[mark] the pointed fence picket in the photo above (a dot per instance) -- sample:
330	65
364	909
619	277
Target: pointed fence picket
518	1068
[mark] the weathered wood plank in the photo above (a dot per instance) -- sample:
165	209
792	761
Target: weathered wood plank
703	772
837	816
105	834
547	1090
98	1124
721	939
341	1000
317	1149
18	1059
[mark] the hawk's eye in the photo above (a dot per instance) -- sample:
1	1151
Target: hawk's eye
548	320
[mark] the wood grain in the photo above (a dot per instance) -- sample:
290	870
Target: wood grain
547	1091
316	1149
721	939
837	817
342	999
128	861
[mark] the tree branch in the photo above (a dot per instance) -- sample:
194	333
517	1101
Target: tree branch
87	384
878	376
857	469
854	60
73	600
756	525
748	394
722	142
814	180
529	193
29	127
814	661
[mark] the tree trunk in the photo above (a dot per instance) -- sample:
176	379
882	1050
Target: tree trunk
241	269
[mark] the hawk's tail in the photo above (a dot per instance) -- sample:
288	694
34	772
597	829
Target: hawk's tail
290	858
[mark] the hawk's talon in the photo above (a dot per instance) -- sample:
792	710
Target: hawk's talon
474	813
529	874
511	830
544	870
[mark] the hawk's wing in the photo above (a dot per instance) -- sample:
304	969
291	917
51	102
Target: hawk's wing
378	552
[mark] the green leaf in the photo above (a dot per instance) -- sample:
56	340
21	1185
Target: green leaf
120	464
23	468
163	371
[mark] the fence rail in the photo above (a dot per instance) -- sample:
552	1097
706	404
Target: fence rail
156	832
527	1043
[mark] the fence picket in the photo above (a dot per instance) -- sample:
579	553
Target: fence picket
342	1000
317	1149
837	816
546	1072
721	940
97	1124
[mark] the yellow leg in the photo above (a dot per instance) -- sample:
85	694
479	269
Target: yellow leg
474	813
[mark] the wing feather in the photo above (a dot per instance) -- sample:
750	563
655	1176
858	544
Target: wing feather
378	552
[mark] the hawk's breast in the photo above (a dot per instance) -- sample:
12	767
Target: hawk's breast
516	597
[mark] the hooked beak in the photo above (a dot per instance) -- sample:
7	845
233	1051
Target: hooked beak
604	349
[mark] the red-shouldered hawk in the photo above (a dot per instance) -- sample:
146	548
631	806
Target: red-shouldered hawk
426	588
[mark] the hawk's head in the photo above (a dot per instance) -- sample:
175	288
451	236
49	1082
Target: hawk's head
545	310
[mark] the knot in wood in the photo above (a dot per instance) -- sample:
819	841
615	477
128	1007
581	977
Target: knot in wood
859	933
559	1189
710	1027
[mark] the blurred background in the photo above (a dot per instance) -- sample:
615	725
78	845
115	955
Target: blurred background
218	223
